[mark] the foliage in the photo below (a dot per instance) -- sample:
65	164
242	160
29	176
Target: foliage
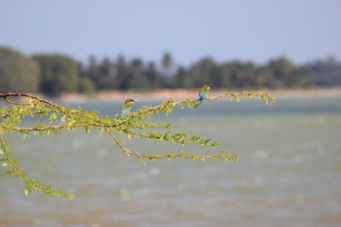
58	74
136	74
61	74
17	72
63	117
325	72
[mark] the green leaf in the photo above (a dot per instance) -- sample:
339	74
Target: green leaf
25	135
195	157
183	153
9	172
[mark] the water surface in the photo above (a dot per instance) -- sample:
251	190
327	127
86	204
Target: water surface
288	173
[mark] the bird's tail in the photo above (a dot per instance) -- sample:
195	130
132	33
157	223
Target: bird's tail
200	101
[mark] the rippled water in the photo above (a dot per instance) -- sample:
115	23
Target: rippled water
288	173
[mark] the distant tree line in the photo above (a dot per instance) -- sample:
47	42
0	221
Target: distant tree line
56	74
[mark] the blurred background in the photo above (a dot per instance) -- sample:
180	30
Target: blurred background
60	47
289	152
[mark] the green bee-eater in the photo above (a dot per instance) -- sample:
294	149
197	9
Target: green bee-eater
127	106
203	93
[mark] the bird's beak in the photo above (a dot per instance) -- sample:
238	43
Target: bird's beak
136	100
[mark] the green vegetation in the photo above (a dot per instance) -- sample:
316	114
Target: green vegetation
325	72
17	72
56	74
48	118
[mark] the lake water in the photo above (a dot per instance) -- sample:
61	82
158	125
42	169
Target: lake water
288	173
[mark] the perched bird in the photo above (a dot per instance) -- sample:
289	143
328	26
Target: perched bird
203	93
126	107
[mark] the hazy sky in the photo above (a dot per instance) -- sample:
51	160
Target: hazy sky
256	30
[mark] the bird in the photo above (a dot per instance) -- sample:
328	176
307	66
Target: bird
203	93
126	107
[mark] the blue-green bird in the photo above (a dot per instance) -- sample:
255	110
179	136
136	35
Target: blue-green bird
126	107
203	93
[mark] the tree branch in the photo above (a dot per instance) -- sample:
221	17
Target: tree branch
78	118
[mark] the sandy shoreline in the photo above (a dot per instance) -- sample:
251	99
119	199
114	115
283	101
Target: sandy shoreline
177	94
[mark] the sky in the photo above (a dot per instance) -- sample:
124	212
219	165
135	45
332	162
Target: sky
244	30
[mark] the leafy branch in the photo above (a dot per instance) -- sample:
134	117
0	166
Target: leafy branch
49	118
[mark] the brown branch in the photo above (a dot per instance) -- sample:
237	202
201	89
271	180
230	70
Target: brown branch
32	113
49	104
123	148
214	97
23	95
143	156
39	129
238	94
